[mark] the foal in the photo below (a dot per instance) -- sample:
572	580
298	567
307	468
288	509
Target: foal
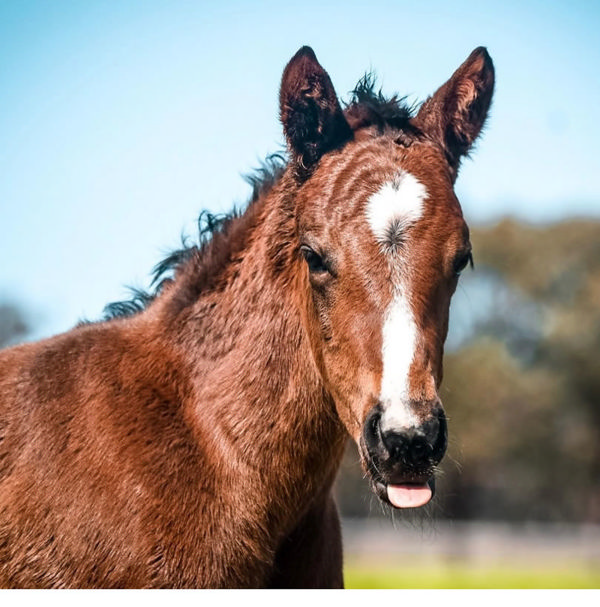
195	442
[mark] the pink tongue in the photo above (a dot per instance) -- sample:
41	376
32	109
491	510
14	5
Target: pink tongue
408	496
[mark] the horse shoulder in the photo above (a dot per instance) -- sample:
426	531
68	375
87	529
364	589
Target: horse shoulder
71	437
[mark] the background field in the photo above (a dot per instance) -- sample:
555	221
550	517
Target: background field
570	575
427	554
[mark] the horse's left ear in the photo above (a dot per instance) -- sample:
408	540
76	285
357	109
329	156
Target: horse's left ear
313	120
456	113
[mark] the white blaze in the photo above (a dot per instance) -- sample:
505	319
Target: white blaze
399	343
396	206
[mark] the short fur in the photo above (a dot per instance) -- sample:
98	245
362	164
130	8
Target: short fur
193	438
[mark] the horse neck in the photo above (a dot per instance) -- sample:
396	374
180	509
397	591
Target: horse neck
258	398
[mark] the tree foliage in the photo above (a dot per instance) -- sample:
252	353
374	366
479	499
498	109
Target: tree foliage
13	324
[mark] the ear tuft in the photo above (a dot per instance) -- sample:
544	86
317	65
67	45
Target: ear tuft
313	120
456	113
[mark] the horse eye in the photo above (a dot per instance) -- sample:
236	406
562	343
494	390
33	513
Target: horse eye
462	261
315	262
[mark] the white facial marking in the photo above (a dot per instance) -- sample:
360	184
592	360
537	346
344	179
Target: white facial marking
396	206
399	343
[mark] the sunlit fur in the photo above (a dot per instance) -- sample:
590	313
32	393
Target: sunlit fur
193	438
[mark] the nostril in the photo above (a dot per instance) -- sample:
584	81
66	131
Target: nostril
375	420
441	441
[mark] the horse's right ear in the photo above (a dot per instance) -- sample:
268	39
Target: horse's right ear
313	120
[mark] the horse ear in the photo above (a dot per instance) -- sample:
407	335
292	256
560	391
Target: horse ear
457	111
313	120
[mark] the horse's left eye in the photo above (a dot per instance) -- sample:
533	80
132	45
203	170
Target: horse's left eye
461	262
315	262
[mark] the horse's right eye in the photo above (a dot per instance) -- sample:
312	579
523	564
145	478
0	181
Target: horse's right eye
316	264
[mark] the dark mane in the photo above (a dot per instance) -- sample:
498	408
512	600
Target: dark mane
366	107
210	248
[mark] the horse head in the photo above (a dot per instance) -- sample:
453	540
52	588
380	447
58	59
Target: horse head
381	242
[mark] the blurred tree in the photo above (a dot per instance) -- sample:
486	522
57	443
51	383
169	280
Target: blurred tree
13	325
558	268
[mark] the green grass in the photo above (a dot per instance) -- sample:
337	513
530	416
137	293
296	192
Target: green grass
469	575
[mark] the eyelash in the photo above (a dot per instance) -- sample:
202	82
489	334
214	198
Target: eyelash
461	263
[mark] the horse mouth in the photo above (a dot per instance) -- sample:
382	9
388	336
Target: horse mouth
405	495
398	488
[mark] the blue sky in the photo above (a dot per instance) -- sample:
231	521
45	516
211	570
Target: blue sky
120	121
